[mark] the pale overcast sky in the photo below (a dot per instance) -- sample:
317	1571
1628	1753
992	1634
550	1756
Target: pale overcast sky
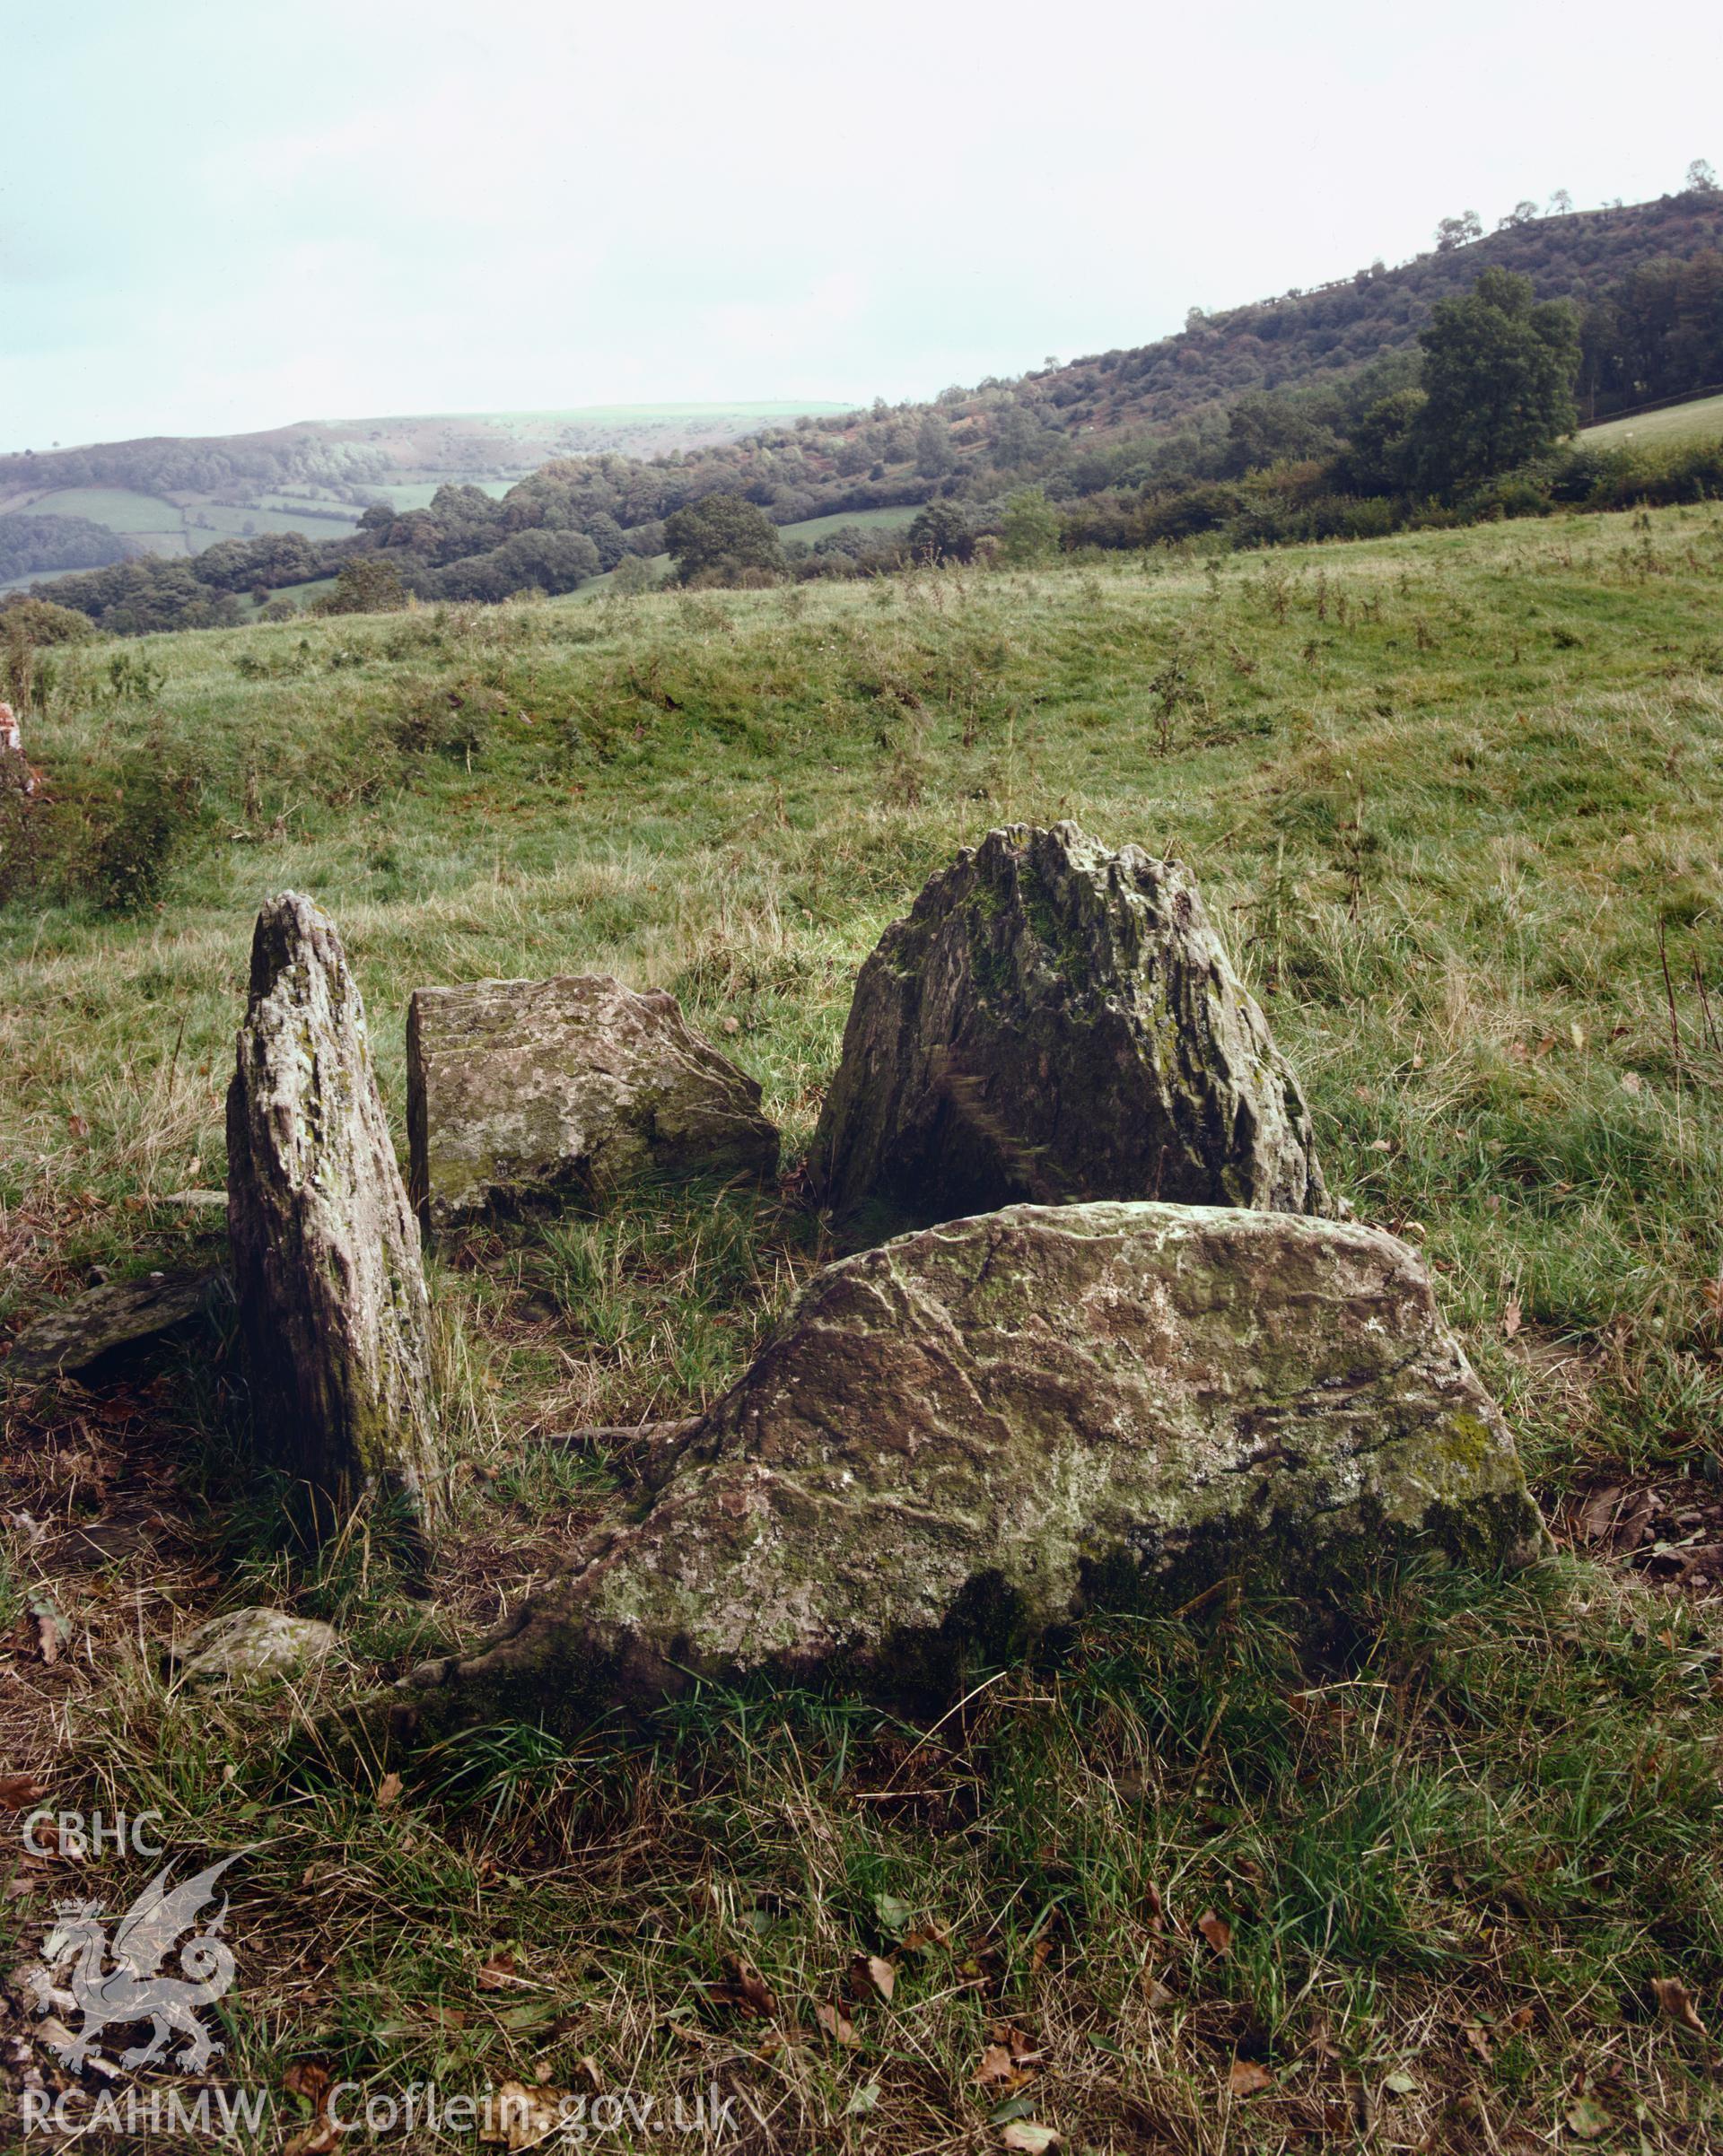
218	216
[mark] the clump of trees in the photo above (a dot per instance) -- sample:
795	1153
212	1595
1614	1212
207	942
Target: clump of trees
724	540
32	545
1498	376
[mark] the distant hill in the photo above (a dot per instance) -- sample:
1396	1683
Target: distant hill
176	495
1129	446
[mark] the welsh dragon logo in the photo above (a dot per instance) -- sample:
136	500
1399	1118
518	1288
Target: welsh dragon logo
132	1990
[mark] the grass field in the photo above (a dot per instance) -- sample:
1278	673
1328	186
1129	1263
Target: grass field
1701	420
1457	799
115	506
894	518
210	522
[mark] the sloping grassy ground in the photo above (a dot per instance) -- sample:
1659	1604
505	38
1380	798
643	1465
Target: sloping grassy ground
1407	1877
1700	420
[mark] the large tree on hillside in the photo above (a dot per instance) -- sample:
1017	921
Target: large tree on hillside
1499	369
722	537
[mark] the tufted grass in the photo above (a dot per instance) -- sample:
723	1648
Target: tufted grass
1455	800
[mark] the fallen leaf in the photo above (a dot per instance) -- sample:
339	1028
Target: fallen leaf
387	1790
1522	2016
862	2102
1216	1930
1510	1316
1028	2136
499	1971
19	1791
836	2023
884	1977
1157	1993
1478	2040
1630	1081
893	1914
518	2118
1039	1948
1586	2121
310	2078
1400	2084
1676	2001
747	1989
1248	2079
996	2069
918	1941
47	1634
318	2139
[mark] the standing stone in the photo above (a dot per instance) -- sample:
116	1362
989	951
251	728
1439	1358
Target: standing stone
525	1092
334	1316
1056	1022
965	1438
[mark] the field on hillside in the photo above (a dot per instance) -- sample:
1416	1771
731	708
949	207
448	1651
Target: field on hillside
896	518
132	514
1439	1877
1700	420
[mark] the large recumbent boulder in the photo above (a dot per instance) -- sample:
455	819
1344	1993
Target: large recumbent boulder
962	1440
522	1094
1056	1022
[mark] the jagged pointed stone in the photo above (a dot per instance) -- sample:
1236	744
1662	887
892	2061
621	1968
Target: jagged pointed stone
334	1317
963	1439
1056	1022
524	1093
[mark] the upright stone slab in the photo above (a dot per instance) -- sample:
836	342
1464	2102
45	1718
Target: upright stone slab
966	1437
334	1317
1056	1022
520	1093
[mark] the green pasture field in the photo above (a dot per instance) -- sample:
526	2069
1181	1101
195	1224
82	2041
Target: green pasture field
116	507
224	522
1435	1873
1700	420
896	518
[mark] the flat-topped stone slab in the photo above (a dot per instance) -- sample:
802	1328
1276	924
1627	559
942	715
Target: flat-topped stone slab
522	1094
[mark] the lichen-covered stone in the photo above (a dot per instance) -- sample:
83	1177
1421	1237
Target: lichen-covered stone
245	1646
1055	1022
523	1092
965	1438
334	1317
98	1326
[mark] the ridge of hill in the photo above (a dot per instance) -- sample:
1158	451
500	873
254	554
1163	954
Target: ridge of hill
1334	330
